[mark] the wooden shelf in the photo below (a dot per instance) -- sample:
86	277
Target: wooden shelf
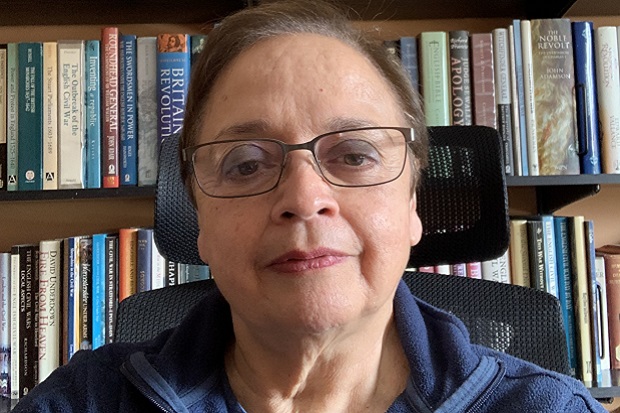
70	194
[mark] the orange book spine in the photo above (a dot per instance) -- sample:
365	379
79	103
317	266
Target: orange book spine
127	265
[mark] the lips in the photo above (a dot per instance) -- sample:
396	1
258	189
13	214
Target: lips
301	261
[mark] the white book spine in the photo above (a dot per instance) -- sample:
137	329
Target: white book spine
49	307
530	106
497	269
147	110
50	115
71	114
15	326
158	268
516	125
608	89
5	324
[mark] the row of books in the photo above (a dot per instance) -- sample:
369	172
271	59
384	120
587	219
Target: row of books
549	86
59	296
90	113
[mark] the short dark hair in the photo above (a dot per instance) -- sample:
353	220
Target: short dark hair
239	31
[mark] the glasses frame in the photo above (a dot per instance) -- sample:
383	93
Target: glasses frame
188	153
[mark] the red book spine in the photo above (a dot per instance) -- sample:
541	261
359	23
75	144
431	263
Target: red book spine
110	106
483	80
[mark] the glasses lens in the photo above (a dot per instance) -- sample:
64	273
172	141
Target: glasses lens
362	157
237	168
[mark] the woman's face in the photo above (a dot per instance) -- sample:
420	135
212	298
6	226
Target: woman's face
307	256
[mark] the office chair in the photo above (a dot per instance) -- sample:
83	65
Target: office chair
463	206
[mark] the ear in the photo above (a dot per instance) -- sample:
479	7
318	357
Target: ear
415	224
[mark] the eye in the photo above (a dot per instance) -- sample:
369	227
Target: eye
350	153
248	161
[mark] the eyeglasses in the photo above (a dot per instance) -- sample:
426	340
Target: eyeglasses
349	158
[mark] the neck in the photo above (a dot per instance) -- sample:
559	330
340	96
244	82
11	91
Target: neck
360	370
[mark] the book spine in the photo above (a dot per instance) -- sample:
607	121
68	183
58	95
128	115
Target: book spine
85	301
50	115
460	270
612	284
93	113
148	144
593	299
408	58
28	316
12	87
76	301
460	77
144	258
554	88
173	67
483	80
503	97
435	78
497	269
68	324
581	298
30	117
3	113
474	270
110	105
586	97
603	323
514	93
551	279
49	306
158	266
70	115
519	253
528	95
536	243
98	290
608	86
129	124
201	272
172	273
5	324
198	42
565	288
14	383
111	285
127	248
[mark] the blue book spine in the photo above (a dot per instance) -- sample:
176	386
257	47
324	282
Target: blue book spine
129	124
586	97
92	176
144	259
30	117
173	68
516	29
409	59
565	288
98	289
72	273
198	272
595	322
551	284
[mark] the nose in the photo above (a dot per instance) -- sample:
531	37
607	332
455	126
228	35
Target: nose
303	193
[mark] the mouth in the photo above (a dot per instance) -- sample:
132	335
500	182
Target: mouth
300	261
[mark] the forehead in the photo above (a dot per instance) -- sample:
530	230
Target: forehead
300	82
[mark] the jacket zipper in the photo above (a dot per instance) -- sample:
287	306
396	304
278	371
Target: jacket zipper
484	396
146	391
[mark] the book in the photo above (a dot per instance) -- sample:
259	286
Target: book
409	59
519	121
483	80
70	270
50	115
3	111
565	287
50	270
98	289
608	88
497	269
173	67
197	42
129	123
503	96
460	77
554	83
172	273
5	324
92	139
146	84
536	245
611	256
70	115
551	278
529	98
30	117
593	298
110	68
603	323
435	77
459	270
581	300
144	259
111	285
127	264
586	97
158	267
12	88
519	252
474	270
514	94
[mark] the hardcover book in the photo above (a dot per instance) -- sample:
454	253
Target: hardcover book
503	95
110	66
5	324
519	252
129	122
148	143
611	256
435	77
173	67
127	253
483	80
92	139
85	305
529	99
409	59
111	286
460	77
98	289
518	97
603	323
554	85
30	117
497	269
70	114
3	111
50	260
593	296
12	87
50	115
144	259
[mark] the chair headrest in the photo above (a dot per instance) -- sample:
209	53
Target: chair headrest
462	201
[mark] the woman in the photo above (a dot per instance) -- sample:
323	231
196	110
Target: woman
303	143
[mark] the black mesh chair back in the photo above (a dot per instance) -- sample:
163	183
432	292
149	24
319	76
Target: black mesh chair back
462	201
520	321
